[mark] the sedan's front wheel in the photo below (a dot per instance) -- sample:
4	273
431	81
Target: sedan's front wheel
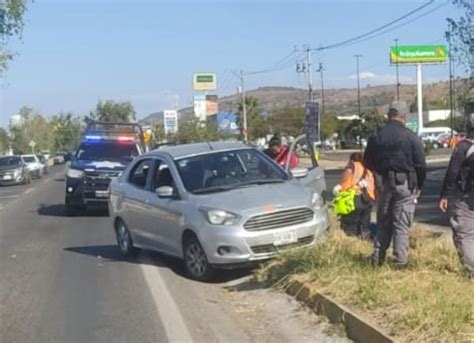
195	260
124	240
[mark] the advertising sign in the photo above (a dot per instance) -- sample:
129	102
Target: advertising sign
311	122
227	123
200	107
212	106
418	54
170	121
204	81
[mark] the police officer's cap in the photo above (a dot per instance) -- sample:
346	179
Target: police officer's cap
397	108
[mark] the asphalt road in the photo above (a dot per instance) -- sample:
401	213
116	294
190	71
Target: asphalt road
62	280
427	211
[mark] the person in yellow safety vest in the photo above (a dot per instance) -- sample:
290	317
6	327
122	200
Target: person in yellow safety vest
361	179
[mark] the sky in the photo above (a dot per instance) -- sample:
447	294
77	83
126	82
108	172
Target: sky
74	53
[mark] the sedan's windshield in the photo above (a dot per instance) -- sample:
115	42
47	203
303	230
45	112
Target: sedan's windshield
228	170
10	161
29	159
106	151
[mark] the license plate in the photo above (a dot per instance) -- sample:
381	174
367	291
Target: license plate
101	194
285	237
7	177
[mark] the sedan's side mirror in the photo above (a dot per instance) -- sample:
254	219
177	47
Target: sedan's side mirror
165	192
299	172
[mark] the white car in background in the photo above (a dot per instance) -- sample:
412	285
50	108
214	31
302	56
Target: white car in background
34	166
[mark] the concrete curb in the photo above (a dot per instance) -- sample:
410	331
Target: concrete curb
356	327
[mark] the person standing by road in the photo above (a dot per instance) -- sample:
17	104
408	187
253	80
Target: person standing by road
356	176
457	195
280	153
396	154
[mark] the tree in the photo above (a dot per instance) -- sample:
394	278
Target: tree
194	131
458	121
414	105
256	124
66	129
461	36
34	127
363	127
4	141
287	121
329	125
11	25
111	111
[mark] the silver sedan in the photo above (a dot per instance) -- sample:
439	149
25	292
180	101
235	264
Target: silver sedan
216	205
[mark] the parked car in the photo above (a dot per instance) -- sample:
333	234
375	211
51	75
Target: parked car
44	164
59	158
216	205
13	170
34	165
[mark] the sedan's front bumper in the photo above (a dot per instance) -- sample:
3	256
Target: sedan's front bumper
226	247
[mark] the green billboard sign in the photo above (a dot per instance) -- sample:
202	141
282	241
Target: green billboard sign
418	54
413	125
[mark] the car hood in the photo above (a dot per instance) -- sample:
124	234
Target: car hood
98	165
258	199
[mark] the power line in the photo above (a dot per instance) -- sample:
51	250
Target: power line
289	63
361	36
400	25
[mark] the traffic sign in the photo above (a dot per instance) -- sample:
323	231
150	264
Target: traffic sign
413	125
32	144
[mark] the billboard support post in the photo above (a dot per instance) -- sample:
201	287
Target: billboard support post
419	85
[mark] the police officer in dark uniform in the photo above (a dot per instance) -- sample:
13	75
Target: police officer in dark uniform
396	155
457	195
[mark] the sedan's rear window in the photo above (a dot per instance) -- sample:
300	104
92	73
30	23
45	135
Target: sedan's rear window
29	159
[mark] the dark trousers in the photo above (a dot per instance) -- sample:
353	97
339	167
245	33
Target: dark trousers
355	223
396	207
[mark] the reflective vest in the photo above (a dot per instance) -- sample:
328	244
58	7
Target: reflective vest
352	179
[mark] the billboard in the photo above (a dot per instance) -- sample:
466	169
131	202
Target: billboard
170	118
418	54
212	106
204	81
227	123
200	107
311	121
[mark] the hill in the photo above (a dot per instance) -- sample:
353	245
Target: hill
337	101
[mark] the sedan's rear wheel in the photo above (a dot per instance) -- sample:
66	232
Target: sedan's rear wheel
124	240
195	260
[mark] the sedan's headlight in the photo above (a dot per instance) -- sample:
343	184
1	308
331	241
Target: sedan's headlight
16	172
74	173
317	201
220	217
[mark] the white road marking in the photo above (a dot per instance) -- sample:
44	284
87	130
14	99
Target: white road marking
171	318
9	197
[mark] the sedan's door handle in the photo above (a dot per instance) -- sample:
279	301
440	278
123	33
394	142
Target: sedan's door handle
147	200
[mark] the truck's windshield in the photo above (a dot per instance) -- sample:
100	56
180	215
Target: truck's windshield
107	151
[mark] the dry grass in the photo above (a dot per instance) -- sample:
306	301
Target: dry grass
430	301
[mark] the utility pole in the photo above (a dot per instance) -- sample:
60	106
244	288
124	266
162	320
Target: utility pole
451	102
320	70
310	74
305	67
244	107
358	84
397	67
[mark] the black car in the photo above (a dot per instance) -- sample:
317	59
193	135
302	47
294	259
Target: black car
13	170
101	157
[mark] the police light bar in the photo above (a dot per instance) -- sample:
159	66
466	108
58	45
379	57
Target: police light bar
109	137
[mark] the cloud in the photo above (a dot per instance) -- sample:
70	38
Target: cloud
374	78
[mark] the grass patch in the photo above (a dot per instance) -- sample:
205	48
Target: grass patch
430	301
